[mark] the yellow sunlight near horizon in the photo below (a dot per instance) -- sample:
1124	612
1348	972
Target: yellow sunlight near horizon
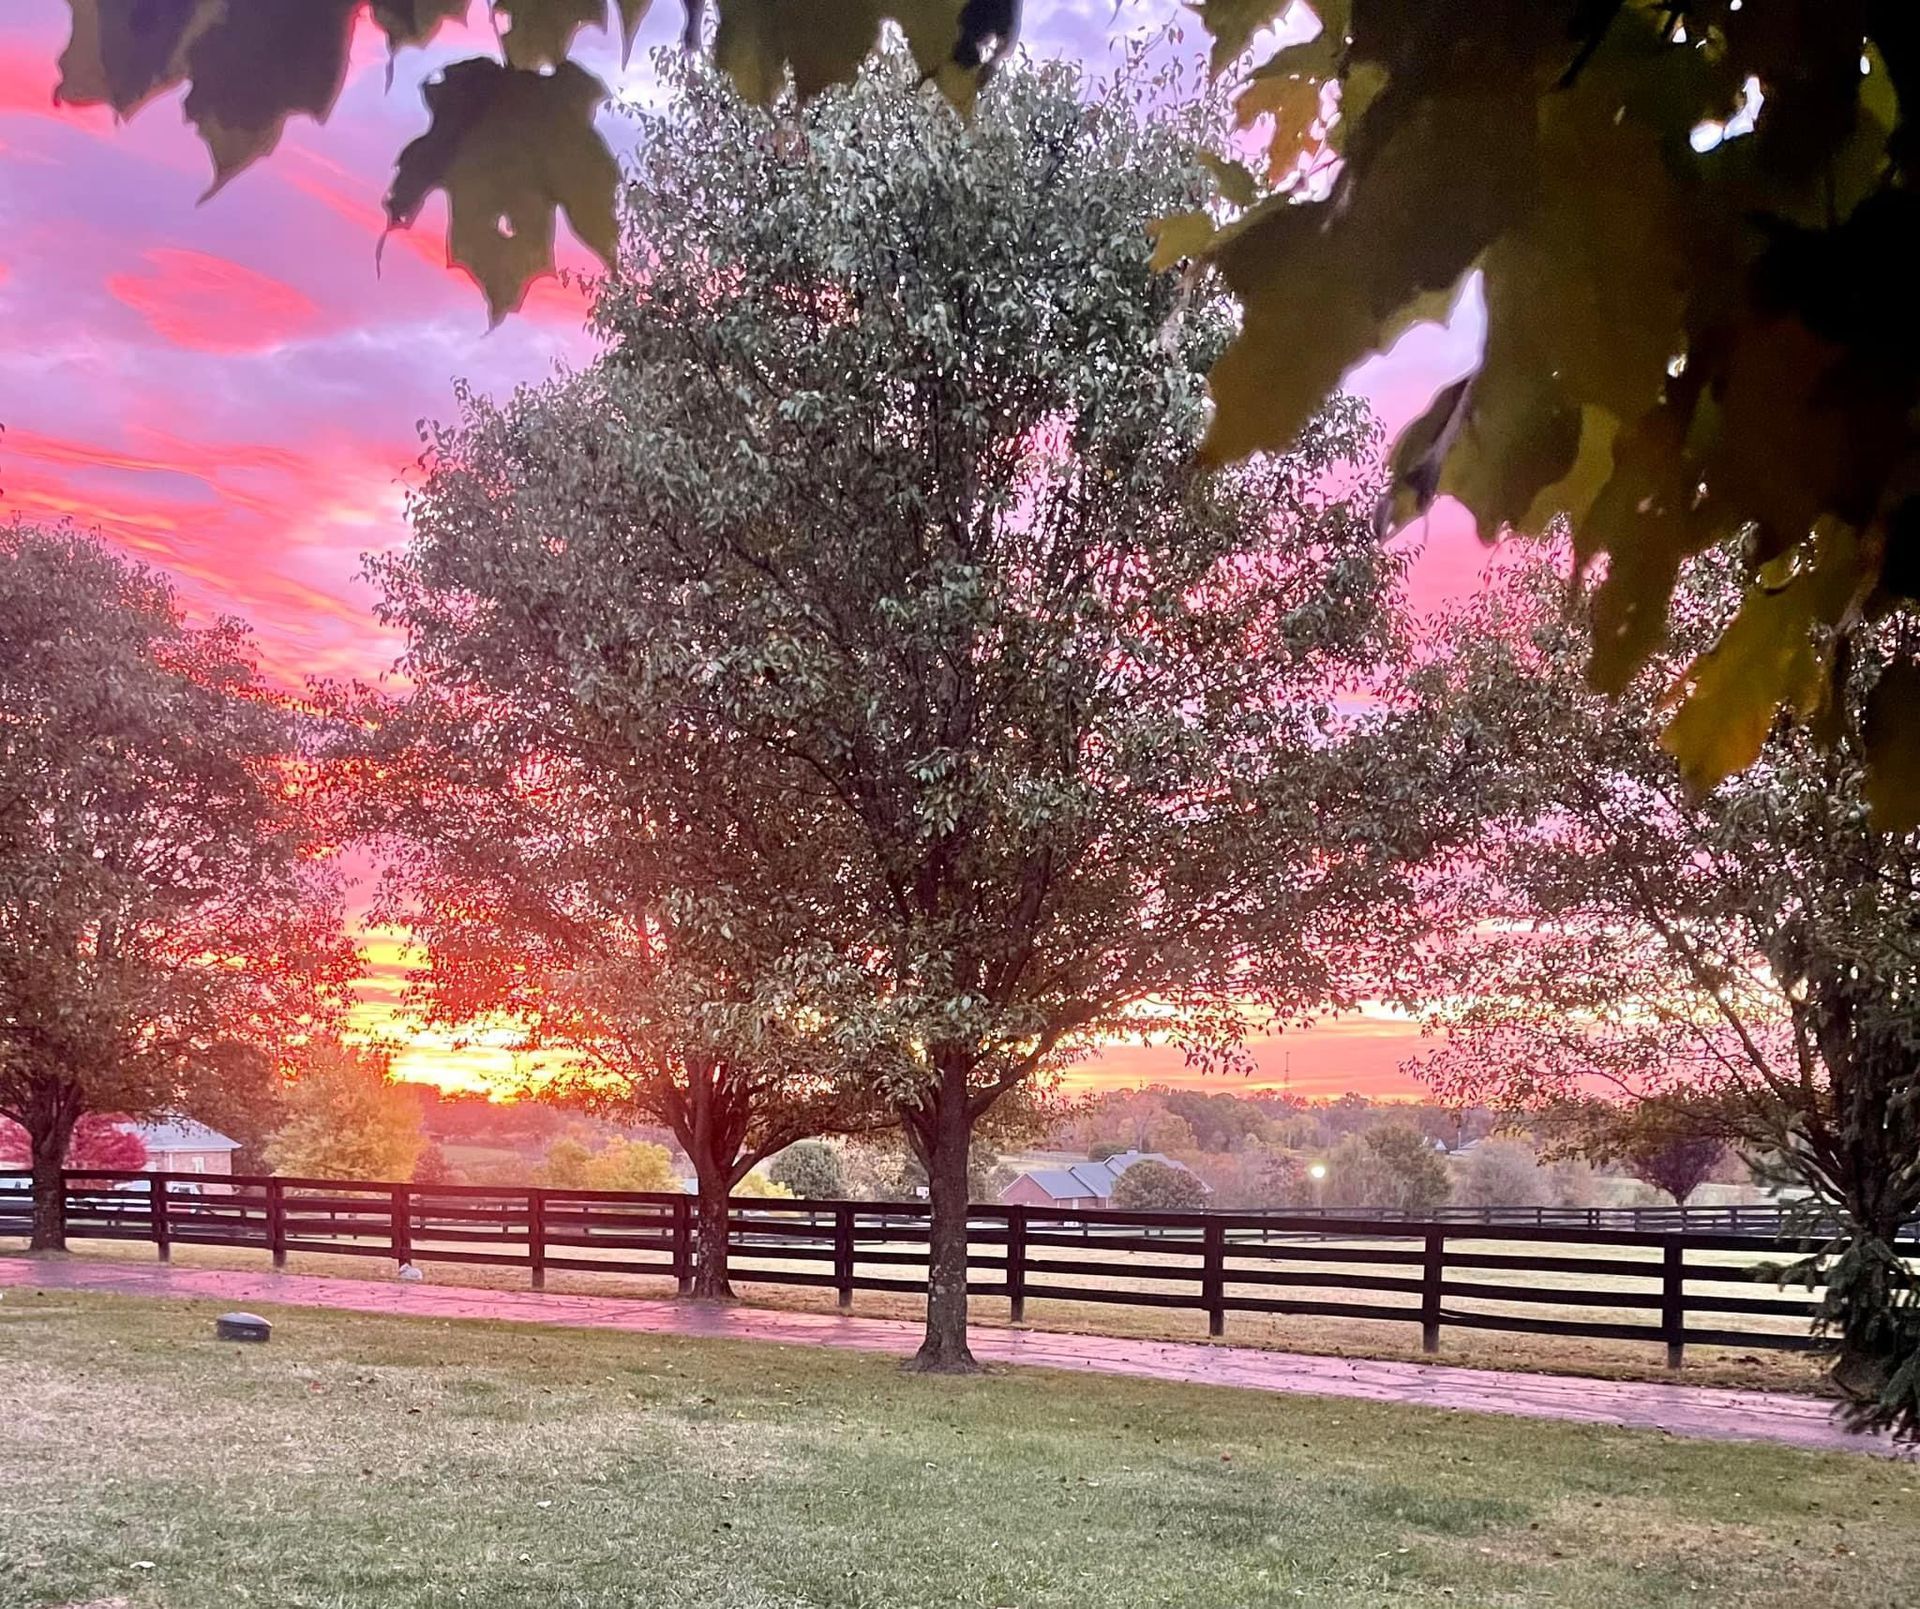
1362	1051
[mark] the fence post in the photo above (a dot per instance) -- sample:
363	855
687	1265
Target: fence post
683	1243
157	1202
277	1222
843	1252
1213	1276
1017	1263
1432	1267
1673	1301
537	1238
402	1232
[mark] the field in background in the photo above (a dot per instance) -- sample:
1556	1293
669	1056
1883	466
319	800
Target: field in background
412	1464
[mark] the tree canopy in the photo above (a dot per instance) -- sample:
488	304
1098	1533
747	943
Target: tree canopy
1694	335
1746	959
1150	1186
100	1140
663	936
1394	1165
811	1169
1672	1140
617	1165
899	533
165	886
346	1119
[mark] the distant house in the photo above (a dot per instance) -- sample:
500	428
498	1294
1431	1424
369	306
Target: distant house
184	1146
1079	1184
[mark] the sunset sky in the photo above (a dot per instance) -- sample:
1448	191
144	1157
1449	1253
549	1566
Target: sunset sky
230	391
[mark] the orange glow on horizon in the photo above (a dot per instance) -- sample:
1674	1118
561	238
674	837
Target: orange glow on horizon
1364	1051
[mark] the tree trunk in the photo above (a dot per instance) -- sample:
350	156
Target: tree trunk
710	1233
944	1133
49	1132
702	1128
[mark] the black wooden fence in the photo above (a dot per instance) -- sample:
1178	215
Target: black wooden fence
1764	1219
1701	1287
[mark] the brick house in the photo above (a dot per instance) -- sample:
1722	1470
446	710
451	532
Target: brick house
184	1146
1079	1185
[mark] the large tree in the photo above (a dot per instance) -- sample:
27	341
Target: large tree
1393	1165
1159	1187
662	952
163	890
884	505
1750	958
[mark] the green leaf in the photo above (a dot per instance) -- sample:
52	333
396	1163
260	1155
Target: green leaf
1184	235
1306	322
258	65
1419	456
1772	655
122	53
510	148
540	32
1891	731
1573	494
954	43
1589	287
1517	437
1794	434
632	14
1360	86
414	22
1647	520
747	47
1321	281
1233	23
1236	184
1286	87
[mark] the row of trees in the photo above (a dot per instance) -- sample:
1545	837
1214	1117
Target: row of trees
851	698
1255	1150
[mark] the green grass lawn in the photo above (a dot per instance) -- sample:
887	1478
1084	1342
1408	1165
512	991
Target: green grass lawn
358	1461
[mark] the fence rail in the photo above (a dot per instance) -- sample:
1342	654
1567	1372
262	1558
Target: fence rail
1579	1278
1765	1220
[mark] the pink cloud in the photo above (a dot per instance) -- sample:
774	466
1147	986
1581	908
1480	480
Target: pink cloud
27	79
268	531
211	304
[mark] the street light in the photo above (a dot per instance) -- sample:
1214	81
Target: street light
1317	1172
